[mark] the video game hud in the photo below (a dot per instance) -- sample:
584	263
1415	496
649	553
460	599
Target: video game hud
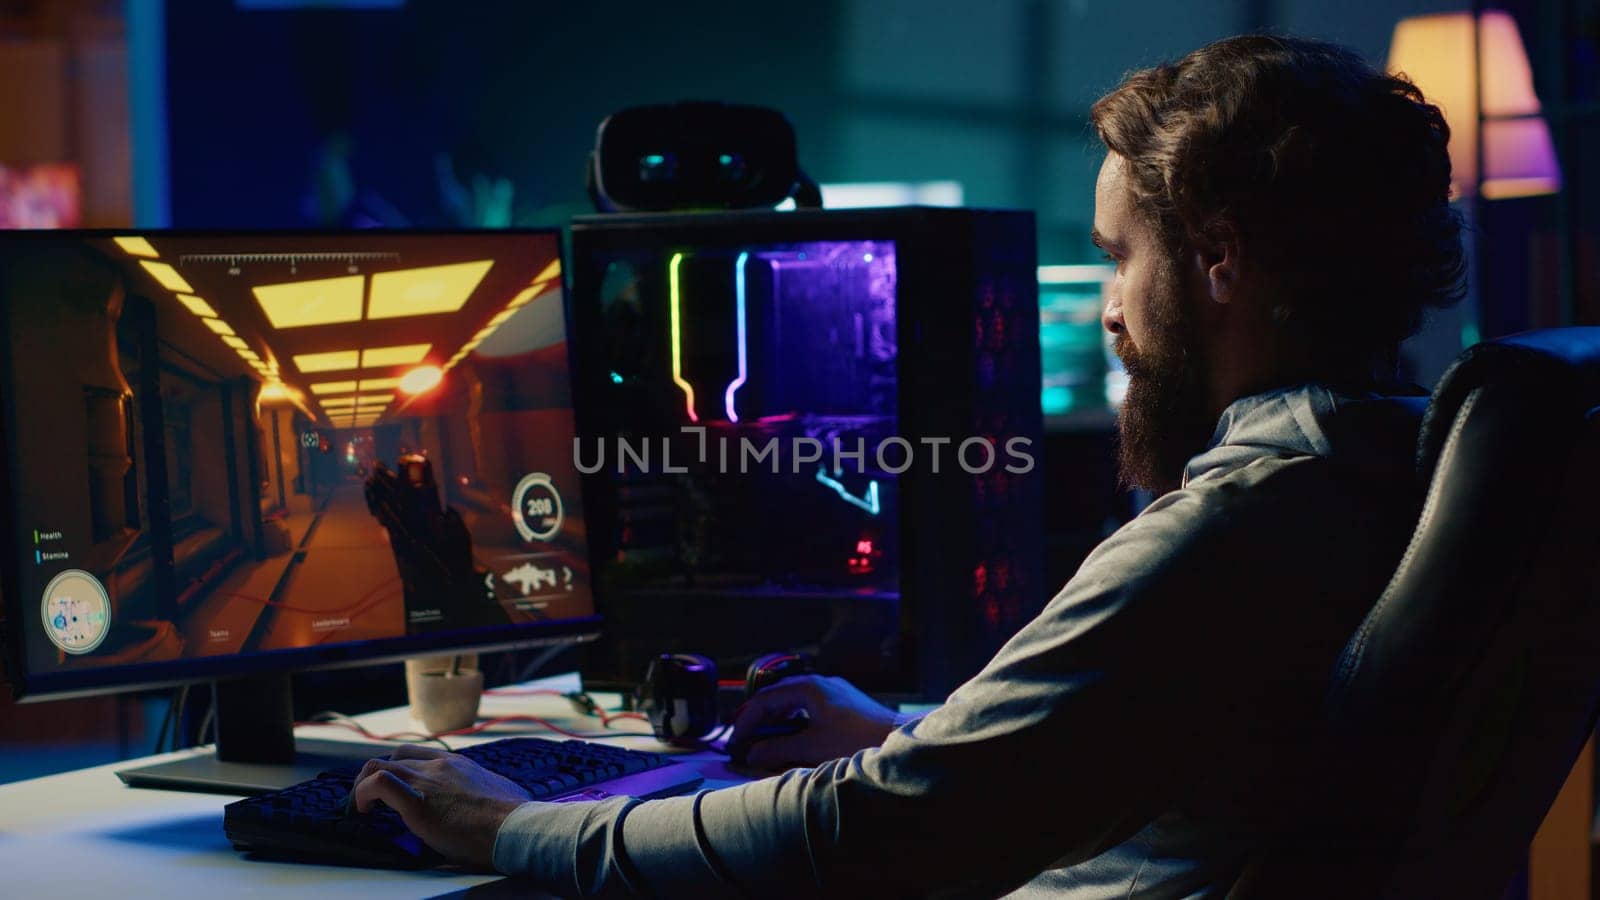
242	443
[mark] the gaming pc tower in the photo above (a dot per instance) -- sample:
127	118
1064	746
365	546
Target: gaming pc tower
810	430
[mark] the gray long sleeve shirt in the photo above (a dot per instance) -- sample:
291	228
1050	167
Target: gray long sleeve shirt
1155	724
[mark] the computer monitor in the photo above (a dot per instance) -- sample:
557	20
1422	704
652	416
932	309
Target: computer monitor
230	456
1083	380
720	360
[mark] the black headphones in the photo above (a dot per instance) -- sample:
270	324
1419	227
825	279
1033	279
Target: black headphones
679	697
773	668
679	691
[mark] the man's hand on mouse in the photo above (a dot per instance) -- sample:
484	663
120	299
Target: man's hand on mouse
455	805
843	720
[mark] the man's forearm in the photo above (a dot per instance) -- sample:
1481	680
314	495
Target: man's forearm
676	846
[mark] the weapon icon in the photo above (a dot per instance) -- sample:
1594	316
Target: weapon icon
529	576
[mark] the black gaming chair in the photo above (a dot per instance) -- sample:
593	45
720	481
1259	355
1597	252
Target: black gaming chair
1466	695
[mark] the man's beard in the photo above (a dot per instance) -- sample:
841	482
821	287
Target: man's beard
1164	420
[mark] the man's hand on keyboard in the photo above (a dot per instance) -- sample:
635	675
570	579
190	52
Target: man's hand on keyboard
451	802
843	720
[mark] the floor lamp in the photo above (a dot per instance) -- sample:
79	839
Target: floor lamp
1500	145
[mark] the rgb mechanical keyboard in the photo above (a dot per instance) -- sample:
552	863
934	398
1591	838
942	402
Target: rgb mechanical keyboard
313	822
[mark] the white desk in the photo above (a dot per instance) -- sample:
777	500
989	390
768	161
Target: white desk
84	834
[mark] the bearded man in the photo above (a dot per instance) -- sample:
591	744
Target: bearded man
1278	215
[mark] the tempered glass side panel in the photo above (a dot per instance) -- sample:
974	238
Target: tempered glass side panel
747	389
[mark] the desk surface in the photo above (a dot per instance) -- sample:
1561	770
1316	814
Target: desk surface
84	834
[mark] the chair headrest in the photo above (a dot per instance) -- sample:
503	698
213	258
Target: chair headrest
1494	447
1559	367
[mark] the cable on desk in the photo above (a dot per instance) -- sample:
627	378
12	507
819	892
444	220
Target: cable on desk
584	703
344	721
499	720
523	692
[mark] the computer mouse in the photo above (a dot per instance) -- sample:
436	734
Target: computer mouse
739	746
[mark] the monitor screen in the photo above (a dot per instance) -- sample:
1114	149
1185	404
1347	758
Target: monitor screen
1082	379
231	452
745	390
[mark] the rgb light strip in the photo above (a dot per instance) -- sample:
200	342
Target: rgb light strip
744	368
677	337
868	501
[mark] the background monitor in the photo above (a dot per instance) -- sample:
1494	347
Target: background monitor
702	340
234	454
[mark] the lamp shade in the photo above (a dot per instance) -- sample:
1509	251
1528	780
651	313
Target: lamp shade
1436	52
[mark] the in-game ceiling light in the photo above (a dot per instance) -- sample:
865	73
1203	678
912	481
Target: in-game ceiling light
424	291
133	245
167	276
320	301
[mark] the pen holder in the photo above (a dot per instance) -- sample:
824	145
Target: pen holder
444	695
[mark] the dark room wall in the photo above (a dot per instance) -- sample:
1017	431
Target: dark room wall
336	115
992	95
513	90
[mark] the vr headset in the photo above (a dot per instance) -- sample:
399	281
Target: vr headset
696	156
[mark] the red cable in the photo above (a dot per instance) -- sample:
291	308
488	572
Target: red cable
606	718
490	723
359	729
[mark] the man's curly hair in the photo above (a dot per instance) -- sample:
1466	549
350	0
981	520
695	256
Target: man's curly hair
1333	176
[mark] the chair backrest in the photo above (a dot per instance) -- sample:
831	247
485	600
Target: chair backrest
1466	695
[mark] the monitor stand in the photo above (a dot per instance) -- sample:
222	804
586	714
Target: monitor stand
256	751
